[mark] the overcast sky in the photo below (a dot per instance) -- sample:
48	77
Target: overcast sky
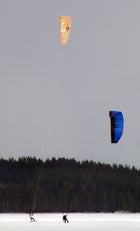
55	100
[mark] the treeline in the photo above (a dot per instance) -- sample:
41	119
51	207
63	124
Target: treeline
66	185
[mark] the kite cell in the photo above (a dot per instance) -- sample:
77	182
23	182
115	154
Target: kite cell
65	27
116	121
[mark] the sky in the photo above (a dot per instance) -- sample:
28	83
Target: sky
55	100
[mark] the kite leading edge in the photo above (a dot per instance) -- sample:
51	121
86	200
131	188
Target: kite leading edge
65	27
117	123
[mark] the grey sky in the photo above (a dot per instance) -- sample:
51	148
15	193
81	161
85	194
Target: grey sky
55	100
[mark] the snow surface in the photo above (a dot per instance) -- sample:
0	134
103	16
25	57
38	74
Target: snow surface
77	222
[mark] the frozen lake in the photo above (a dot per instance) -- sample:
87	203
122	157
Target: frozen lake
77	222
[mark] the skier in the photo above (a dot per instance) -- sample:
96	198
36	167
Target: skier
31	217
65	220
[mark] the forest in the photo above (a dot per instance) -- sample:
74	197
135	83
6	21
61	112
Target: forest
66	185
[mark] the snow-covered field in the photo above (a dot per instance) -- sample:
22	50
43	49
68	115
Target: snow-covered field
77	222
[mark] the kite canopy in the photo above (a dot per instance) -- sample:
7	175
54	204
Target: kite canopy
65	27
117	121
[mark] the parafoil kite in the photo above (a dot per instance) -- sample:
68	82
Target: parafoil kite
117	122
65	27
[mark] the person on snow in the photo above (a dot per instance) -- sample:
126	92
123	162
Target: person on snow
31	217
65	220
